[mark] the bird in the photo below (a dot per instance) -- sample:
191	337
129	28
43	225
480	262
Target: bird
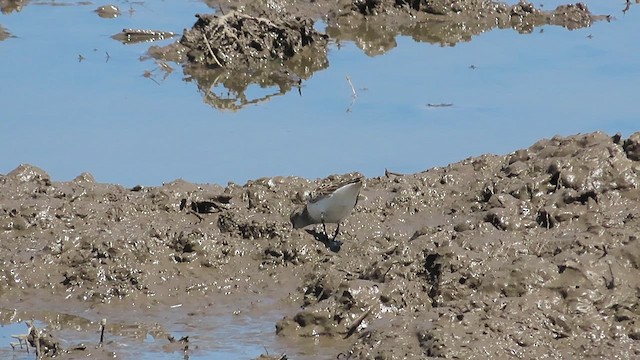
331	204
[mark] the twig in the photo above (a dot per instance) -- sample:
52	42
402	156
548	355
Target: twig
610	284
354	326
388	173
354	95
36	339
353	89
185	341
103	323
206	41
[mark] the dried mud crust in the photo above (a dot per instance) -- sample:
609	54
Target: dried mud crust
236	49
532	254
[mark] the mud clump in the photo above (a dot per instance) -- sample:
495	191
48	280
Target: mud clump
4	34
534	253
236	49
240	41
374	24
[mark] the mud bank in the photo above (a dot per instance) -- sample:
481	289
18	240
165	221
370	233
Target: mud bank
534	254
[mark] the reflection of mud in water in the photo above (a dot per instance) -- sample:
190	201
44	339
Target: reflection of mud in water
226	89
272	44
373	25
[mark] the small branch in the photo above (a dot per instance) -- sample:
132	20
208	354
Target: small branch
353	89
388	173
354	326
206	41
354	95
103	323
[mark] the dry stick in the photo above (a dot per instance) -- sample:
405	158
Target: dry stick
103	323
36	338
206	41
354	326
354	95
26	340
185	340
388	173
353	89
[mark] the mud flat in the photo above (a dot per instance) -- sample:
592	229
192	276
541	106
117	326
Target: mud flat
534	254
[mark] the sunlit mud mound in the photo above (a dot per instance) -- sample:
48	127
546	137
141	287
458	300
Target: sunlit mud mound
239	41
534	254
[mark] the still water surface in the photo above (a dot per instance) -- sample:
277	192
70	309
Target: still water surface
103	116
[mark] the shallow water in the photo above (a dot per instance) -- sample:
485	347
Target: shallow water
102	115
213	335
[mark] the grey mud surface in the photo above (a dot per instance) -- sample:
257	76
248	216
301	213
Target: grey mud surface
532	255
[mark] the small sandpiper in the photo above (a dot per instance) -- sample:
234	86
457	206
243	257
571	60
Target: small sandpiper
331	204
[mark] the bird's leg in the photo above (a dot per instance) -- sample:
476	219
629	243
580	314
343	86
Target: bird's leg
336	234
324	226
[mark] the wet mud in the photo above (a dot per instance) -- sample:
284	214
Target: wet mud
4	33
534	254
275	45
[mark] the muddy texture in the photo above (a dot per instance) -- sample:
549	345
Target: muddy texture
239	41
4	33
9	6
373	25
135	36
534	254
273	43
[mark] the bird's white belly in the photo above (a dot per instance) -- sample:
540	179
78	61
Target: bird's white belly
336	207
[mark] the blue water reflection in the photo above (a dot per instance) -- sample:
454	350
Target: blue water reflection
102	115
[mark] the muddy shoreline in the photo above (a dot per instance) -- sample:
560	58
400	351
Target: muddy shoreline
534	253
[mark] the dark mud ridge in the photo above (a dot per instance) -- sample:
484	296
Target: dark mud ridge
274	43
530	255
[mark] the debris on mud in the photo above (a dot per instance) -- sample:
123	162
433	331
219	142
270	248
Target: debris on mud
534	253
236	50
41	340
4	33
133	36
